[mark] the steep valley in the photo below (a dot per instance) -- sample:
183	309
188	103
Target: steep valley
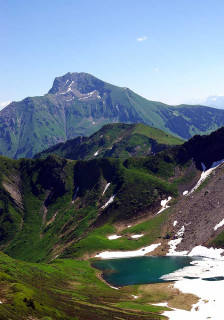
58	214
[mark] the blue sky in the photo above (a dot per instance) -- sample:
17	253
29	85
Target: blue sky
180	57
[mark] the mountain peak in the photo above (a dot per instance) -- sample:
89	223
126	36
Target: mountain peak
76	84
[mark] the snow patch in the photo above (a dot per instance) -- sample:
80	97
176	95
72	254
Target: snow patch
210	305
64	85
185	193
69	87
108	202
96	153
205	174
136	236
174	243
220	224
175	223
202	251
135	297
113	237
114	288
107	186
161	304
180	233
164	204
127	254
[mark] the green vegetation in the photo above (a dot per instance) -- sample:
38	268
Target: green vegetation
96	241
116	140
135	306
37	123
55	207
63	289
218	241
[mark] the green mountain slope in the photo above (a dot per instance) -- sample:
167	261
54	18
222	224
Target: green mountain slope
66	290
117	140
80	104
56	208
49	206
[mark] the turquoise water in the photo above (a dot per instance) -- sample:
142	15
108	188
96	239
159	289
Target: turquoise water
140	270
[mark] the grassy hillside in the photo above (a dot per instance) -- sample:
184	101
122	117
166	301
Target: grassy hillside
56	208
48	206
114	140
40	217
65	289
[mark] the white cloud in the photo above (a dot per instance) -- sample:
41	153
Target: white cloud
141	39
4	104
156	69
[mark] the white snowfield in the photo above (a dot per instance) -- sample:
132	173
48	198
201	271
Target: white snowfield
113	237
108	202
114	288
210	293
213	253
175	223
127	254
161	304
164	204
205	174
220	224
69	87
180	233
174	243
136	236
185	193
96	153
210	304
107	186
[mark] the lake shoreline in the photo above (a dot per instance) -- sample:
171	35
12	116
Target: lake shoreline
202	278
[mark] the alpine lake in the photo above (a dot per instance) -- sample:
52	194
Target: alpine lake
140	270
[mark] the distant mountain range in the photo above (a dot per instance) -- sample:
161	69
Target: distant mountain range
211	101
79	104
117	140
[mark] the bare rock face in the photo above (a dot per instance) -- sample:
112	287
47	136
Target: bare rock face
200	212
